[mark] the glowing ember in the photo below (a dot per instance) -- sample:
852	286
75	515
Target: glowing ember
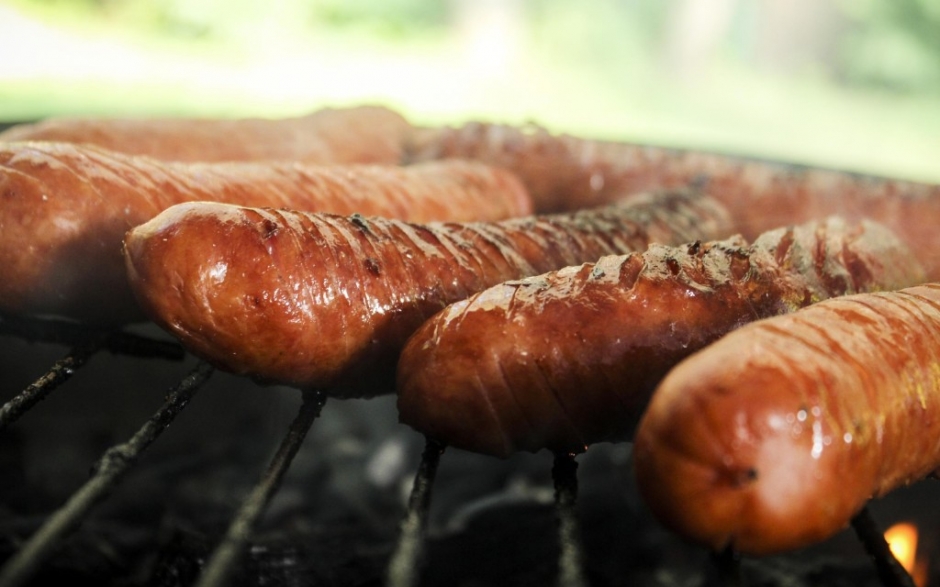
902	539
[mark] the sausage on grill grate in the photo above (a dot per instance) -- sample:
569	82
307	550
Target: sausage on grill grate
569	358
326	301
362	134
774	437
564	172
64	210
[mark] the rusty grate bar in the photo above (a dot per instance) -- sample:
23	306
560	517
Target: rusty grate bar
890	571
405	562
226	555
571	557
60	372
108	472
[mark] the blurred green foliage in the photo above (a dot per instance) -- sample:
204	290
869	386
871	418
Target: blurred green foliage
869	100
389	18
609	35
220	19
889	44
893	44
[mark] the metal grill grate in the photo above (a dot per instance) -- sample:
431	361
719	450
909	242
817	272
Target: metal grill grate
402	557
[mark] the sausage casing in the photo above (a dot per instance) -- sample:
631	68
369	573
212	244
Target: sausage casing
564	172
569	358
775	436
325	301
363	134
65	210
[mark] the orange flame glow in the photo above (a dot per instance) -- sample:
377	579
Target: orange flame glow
902	539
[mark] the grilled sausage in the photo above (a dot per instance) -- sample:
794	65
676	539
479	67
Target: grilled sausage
325	301
561	172
365	134
564	172
775	436
64	210
570	358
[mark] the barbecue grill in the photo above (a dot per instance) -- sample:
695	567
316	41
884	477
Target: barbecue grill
184	489
127	461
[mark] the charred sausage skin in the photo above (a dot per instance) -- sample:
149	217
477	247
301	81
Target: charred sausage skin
569	358
362	134
564	172
775	436
325	301
65	210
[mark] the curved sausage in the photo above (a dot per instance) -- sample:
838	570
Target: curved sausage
64	210
325	301
563	172
774	437
569	358
364	134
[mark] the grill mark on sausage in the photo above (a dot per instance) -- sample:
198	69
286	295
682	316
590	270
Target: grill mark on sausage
75	203
403	255
435	269
666	304
562	172
498	241
477	249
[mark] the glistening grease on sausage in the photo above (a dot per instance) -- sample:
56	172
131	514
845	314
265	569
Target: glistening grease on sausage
564	172
362	134
570	358
64	210
325	301
775	436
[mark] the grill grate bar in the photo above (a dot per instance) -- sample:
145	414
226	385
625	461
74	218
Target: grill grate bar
225	557
403	566
85	342
890	571
60	372
72	334
108	472
571	557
